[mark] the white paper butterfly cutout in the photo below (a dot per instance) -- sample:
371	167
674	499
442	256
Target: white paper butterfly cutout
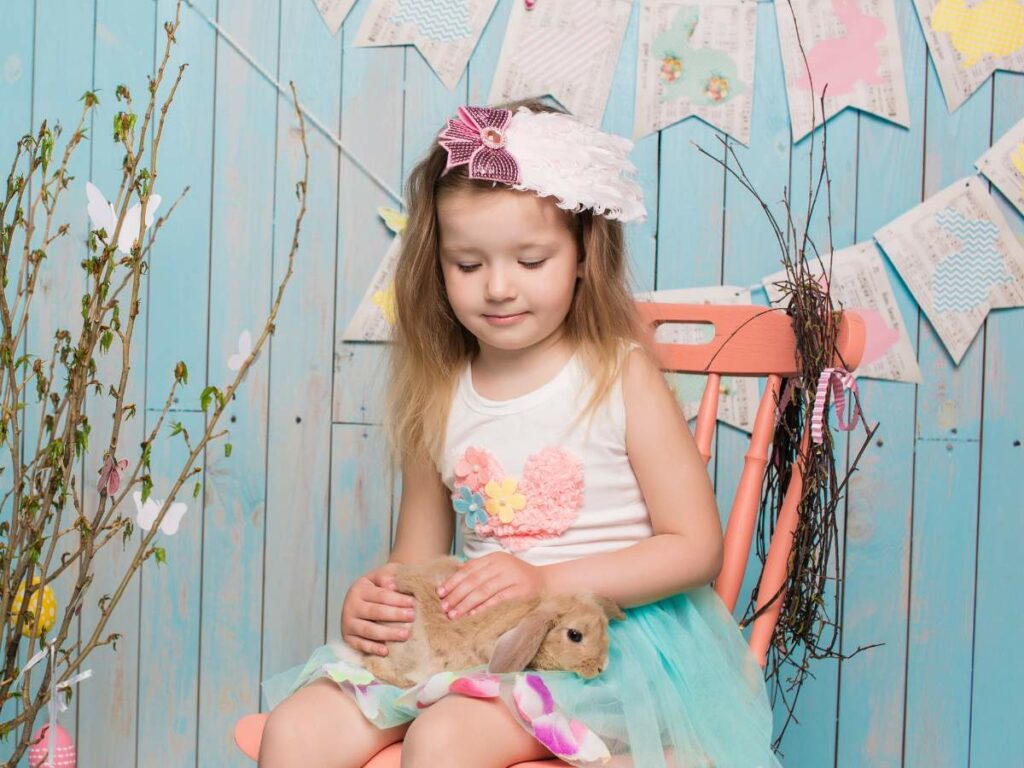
237	360
103	216
147	513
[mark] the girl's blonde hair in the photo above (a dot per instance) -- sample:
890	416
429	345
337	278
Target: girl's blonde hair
431	347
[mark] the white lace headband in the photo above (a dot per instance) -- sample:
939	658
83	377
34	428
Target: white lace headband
550	153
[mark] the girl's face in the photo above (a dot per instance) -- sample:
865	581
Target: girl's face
510	266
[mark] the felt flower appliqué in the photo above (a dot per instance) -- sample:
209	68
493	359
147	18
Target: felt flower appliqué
474	468
471	505
503	499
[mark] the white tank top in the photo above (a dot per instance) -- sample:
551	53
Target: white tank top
527	479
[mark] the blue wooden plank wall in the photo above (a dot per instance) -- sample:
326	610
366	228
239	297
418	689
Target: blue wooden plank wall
257	573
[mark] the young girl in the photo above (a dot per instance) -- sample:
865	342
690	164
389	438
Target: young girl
525	412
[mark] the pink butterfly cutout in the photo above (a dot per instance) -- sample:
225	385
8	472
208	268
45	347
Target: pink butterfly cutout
110	475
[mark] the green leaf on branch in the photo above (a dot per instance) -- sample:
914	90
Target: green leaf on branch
106	340
176	428
147	487
161	554
90	98
181	372
196	490
208	395
227	450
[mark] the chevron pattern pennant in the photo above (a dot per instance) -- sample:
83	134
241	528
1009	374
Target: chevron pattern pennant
959	258
444	31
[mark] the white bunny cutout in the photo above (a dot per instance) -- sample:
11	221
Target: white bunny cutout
102	214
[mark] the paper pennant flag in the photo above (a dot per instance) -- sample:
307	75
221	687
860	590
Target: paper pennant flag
859	284
1004	165
696	58
959	258
969	41
853	54
334	12
375	316
738	400
567	49
444	31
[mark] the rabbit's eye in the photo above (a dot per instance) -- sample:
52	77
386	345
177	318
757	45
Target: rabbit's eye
575	635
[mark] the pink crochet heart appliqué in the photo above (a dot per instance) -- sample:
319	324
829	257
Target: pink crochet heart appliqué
551	486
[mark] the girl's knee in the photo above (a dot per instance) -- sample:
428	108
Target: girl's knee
432	741
320	726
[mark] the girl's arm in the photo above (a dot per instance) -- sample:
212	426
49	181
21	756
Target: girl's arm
686	548
425	518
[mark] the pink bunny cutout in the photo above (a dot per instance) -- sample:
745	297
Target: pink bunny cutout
841	62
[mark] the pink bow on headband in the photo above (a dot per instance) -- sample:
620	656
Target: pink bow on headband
478	138
840	380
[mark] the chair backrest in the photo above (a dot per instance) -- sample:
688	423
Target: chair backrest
748	341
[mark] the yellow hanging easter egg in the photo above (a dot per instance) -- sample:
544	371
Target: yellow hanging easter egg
43	605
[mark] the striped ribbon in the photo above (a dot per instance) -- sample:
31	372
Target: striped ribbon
56	702
838	380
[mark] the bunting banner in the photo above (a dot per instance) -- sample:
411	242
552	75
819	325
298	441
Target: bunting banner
1003	164
566	49
333	12
959	258
853	56
969	41
444	32
696	58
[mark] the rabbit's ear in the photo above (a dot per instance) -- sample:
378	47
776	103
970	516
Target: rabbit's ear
517	647
610	607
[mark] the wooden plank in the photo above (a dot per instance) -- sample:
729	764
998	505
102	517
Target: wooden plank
178	331
298	481
124	54
876	572
209	579
360	530
945	484
56	91
371	128
641	237
997	695
16	41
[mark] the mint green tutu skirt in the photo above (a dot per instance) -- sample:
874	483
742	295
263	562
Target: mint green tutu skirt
681	689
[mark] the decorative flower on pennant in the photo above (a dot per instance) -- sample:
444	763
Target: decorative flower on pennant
471	505
504	500
717	88
477	139
474	468
110	475
671	67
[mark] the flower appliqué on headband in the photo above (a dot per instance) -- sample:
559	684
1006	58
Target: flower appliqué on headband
541	504
477	139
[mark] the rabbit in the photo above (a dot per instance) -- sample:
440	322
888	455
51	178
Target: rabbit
556	632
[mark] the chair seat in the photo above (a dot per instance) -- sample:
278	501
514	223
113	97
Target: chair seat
249	732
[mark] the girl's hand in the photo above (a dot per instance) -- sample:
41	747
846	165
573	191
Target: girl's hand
487	580
375	613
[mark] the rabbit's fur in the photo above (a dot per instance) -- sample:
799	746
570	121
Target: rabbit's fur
510	636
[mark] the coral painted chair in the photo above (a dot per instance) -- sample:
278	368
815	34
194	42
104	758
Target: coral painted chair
748	341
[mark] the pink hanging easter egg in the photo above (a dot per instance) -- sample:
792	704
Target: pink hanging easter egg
64	748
